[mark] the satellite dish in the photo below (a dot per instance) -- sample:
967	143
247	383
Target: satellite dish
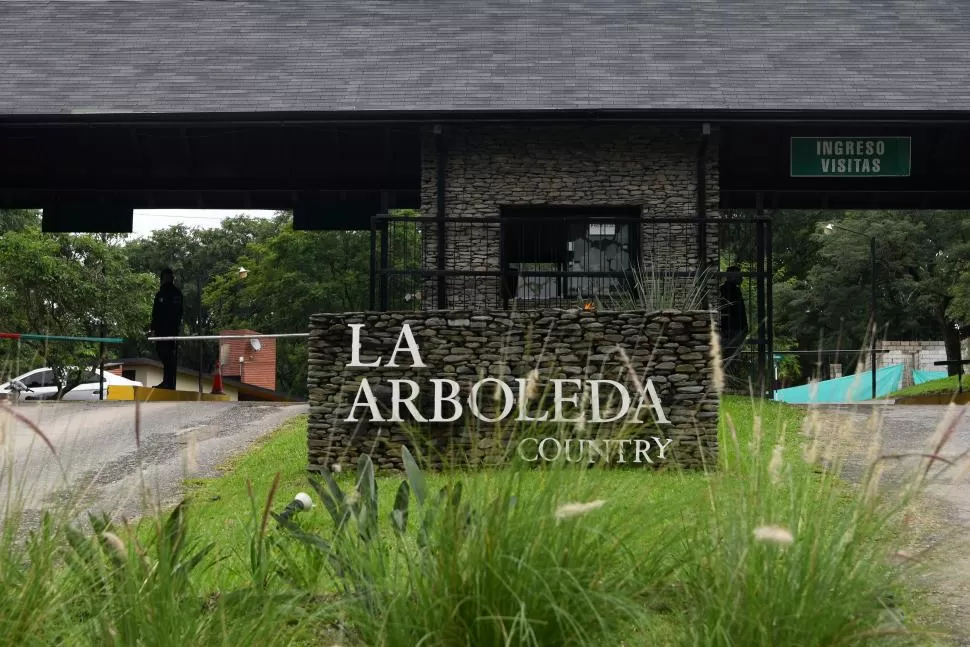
255	343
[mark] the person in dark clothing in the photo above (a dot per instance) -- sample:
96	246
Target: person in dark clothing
734	319
167	322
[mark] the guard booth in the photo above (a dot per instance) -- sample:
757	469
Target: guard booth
575	260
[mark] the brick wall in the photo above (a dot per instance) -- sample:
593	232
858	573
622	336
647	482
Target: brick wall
257	368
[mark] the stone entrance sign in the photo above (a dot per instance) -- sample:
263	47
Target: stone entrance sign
452	384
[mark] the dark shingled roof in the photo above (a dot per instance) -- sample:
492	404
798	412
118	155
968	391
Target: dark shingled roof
60	57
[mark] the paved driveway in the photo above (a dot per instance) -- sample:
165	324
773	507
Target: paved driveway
98	460
944	514
908	429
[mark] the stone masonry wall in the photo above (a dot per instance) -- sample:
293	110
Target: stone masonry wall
491	166
918	355
671	348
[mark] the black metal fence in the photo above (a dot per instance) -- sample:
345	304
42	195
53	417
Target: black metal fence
613	258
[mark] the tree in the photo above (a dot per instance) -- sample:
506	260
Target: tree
18	219
795	247
72	285
920	256
197	257
946	258
293	275
222	247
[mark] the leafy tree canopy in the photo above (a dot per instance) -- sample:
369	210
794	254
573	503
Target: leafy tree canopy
68	284
823	282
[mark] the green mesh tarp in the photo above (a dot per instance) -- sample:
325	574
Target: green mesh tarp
851	388
921	377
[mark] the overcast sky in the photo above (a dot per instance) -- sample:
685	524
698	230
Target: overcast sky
148	220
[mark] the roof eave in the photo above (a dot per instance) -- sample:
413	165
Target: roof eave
419	117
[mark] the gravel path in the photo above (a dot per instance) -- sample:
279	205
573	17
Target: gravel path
943	520
99	466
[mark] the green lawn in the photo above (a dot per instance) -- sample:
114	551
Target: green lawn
944	386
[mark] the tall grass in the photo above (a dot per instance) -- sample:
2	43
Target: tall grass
527	562
768	549
652	289
785	555
778	552
67	580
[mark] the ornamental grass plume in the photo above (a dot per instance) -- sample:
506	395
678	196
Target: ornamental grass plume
962	472
580	423
873	481
625	360
575	509
757	434
532	385
717	360
875	442
874	466
773	535
811	428
191	453
777	463
945	429
115	542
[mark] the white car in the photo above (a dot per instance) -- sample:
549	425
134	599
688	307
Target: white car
43	386
39	382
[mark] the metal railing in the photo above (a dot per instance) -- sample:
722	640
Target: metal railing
548	260
520	261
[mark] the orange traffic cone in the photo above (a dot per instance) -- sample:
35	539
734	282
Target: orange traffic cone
217	379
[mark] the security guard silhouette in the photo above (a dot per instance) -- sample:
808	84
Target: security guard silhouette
167	322
734	319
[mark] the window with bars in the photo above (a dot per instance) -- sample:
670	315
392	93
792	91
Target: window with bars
566	253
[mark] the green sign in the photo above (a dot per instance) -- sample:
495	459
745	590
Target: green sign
850	156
